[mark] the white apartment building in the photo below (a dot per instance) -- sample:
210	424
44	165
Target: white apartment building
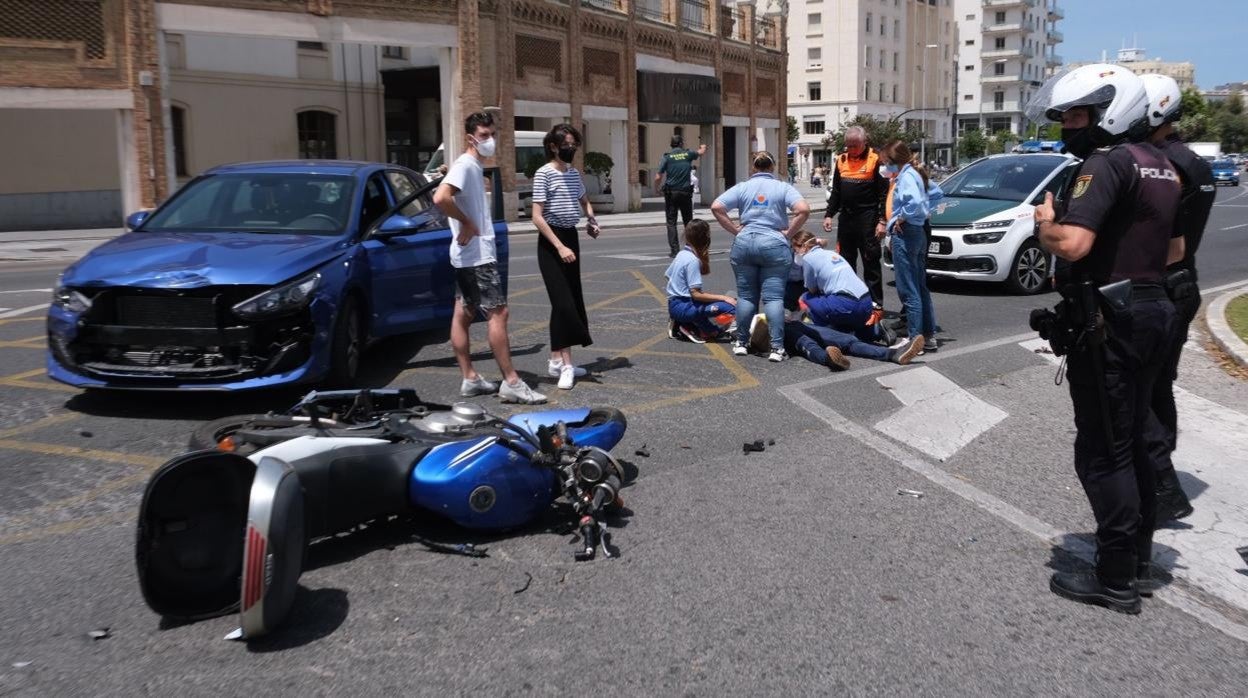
1006	49
1183	72
886	58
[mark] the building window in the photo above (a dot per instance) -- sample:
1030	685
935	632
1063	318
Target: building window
814	22
970	42
393	52
998	69
866	90
894	94
813	128
318	139
310	45
967	98
999	43
641	144
869	24
969	68
896	29
970	18
177	123
883	59
814	91
814	57
880	92
999	18
896	61
866	57
998	101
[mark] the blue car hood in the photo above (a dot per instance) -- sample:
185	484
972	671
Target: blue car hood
191	260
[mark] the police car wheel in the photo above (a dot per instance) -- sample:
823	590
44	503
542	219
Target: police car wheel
1030	270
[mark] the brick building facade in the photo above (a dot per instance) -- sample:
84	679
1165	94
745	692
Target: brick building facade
553	59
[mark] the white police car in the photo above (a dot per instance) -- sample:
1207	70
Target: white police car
983	229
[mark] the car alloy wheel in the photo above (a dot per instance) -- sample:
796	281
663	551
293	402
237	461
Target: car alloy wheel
1030	272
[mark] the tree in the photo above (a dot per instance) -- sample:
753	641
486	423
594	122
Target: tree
1000	141
1235	103
1231	129
793	133
1196	123
1050	132
972	144
880	132
598	165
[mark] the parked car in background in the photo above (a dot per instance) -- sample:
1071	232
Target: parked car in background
1225	172
983	229
528	149
257	275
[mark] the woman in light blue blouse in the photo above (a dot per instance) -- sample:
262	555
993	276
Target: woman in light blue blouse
908	208
761	255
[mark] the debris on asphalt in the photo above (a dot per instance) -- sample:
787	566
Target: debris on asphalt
99	634
910	493
1243	552
755	447
1043	350
527	582
642	452
85	433
889	598
21	665
686	447
771	442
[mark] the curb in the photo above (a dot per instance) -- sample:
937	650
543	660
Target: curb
1223	335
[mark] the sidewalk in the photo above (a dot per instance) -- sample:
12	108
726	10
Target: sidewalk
68	245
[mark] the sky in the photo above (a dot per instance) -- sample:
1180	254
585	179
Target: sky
1212	34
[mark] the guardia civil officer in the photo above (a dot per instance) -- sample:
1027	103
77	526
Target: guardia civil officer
1115	224
675	180
1165	103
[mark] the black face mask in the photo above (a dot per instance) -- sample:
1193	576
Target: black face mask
1078	141
567	152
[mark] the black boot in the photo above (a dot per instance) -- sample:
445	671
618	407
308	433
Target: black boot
1144	582
1087	587
1172	502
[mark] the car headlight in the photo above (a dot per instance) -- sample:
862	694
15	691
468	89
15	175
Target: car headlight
983	238
68	299
992	224
277	301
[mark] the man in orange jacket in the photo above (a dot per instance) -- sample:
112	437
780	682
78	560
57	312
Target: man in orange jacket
858	193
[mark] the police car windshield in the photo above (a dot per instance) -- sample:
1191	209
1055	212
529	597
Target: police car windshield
1011	178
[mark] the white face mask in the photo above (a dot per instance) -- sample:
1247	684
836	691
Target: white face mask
884	171
486	147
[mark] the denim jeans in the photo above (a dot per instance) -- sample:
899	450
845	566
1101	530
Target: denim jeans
910	270
700	316
811	341
842	314
761	261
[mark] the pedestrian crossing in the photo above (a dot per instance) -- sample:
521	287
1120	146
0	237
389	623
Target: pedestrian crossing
939	419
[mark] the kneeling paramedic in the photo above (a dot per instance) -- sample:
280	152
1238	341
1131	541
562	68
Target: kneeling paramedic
1115	226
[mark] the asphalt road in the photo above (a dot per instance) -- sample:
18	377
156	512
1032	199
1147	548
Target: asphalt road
799	570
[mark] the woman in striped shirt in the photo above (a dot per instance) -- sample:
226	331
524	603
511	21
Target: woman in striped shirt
559	199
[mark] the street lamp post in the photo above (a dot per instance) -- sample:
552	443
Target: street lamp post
926	84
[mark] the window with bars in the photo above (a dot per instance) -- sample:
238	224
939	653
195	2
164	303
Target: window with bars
813	128
814	91
393	52
318	138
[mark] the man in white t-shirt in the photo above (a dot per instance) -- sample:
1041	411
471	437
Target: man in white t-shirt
478	287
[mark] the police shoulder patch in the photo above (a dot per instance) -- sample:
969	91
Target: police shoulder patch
1082	182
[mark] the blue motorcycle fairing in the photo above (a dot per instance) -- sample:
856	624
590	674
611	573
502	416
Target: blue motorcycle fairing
532	420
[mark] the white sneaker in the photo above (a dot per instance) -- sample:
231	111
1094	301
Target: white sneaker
777	355
567	376
738	349
521	393
477	386
554	369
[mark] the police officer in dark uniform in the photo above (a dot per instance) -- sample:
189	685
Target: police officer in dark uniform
1165	102
675	180
1115	227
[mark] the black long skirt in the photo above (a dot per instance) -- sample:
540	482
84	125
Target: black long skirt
569	324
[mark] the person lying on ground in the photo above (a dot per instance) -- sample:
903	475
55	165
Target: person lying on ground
823	345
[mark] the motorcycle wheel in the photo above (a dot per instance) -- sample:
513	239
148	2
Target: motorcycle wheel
210	434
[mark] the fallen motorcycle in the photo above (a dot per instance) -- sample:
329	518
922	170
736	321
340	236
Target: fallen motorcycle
226	526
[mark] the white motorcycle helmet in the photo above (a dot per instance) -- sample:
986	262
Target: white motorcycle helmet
1165	100
1116	95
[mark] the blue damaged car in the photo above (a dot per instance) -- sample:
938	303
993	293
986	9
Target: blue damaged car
258	275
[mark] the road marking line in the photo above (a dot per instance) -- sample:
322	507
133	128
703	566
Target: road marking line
50	420
79	452
30	290
37	342
6	321
939	417
1176	594
1233	227
22	311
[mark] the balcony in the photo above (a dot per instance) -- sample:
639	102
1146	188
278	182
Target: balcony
1053	60
767	33
653	10
732	24
1003	107
1053	37
696	15
1005	4
1002	79
1056	12
607	5
1004	28
1007	53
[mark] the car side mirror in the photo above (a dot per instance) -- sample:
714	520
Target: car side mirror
399	224
134	220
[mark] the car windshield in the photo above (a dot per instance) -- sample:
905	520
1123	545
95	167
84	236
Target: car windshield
1005	179
262	202
1222	165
